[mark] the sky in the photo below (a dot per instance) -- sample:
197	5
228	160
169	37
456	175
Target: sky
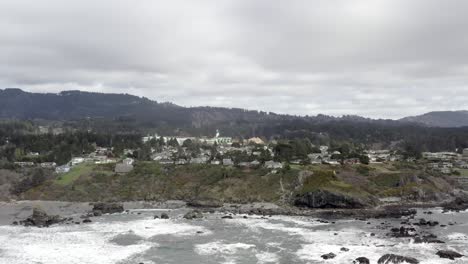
374	58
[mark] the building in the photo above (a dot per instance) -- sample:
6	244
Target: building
24	164
76	161
128	161
273	165
62	169
199	160
465	153
48	165
228	162
256	140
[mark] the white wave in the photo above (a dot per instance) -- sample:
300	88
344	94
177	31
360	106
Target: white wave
59	245
151	227
267	257
82	244
219	247
457	236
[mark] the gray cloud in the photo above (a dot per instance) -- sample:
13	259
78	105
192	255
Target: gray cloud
376	58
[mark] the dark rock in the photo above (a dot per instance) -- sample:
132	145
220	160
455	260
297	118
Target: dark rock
205	203
449	254
395	259
164	216
195	214
361	260
344	249
15	223
460	203
39	218
87	221
327	199
107	208
328	256
226	217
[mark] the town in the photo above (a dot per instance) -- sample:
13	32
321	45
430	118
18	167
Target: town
251	153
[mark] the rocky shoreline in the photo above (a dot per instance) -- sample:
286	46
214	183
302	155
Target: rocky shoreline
18	210
416	229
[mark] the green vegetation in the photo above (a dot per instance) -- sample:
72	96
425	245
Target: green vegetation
74	174
152	181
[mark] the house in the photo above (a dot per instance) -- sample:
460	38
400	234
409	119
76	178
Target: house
76	161
62	169
254	163
273	165
256	140
123	168
48	165
128	161
199	160
215	162
465	153
228	162
181	162
24	164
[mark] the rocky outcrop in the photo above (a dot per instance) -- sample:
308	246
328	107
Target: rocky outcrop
328	199
205	203
194	214
361	260
107	208
164	216
460	203
396	259
449	254
328	256
40	218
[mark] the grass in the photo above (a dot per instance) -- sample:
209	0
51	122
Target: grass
463	172
74	174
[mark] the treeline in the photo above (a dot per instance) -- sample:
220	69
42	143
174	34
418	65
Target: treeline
61	148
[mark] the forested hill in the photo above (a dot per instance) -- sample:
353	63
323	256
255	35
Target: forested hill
112	113
441	119
73	105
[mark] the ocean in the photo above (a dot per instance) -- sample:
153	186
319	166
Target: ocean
136	237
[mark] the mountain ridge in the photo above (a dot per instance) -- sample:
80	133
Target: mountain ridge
75	104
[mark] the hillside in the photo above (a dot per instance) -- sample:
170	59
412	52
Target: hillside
440	119
151	181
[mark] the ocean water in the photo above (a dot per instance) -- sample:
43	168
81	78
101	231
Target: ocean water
136	237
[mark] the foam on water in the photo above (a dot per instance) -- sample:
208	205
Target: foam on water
218	247
267	257
83	244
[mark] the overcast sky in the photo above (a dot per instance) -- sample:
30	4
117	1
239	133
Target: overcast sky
374	58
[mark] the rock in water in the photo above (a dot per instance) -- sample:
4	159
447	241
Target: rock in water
449	254
193	215
396	259
107	208
327	199
361	260
164	216
328	256
39	218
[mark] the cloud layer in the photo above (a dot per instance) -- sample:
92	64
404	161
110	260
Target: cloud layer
376	58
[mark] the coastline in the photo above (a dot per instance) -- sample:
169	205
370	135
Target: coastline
20	209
